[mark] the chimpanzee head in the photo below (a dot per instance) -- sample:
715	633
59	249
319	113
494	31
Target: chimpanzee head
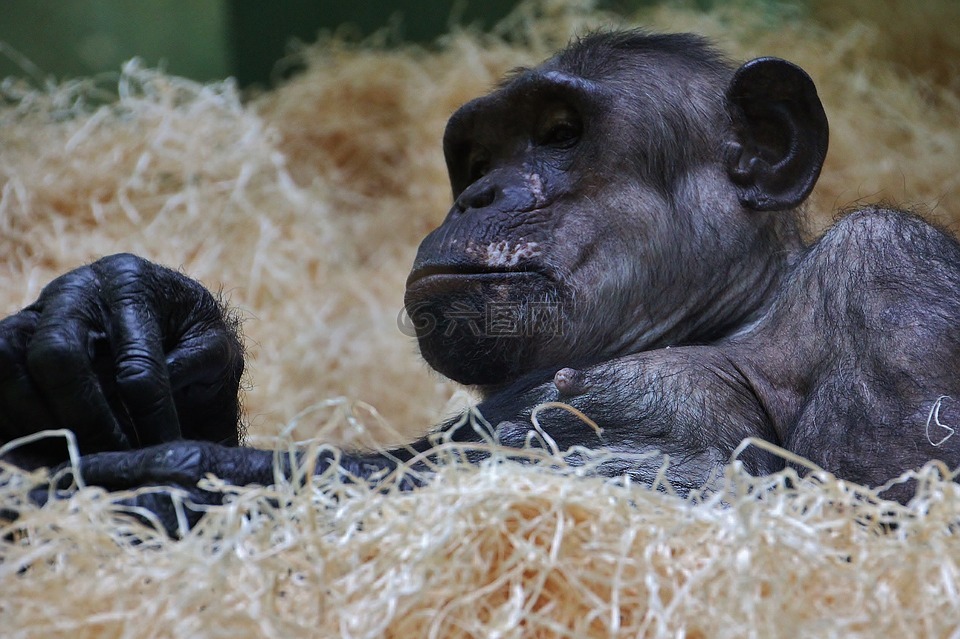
628	193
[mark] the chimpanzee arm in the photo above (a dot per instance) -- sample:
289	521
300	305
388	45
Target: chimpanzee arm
177	468
124	353
693	404
184	463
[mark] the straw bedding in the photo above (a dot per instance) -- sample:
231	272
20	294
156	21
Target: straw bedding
304	206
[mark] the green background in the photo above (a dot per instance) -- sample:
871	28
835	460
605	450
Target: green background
212	39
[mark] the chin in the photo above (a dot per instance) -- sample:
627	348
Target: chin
483	330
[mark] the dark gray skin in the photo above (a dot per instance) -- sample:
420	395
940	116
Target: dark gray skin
630	205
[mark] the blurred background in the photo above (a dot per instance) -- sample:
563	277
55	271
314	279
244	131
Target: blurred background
211	39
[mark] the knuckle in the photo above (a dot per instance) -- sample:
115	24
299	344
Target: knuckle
182	462
141	378
78	278
121	262
54	358
124	275
15	327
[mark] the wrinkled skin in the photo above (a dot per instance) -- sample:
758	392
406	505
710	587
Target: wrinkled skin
624	239
126	354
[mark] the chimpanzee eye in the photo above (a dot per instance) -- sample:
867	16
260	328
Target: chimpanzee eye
562	134
560	128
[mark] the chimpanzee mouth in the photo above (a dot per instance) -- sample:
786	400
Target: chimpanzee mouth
447	274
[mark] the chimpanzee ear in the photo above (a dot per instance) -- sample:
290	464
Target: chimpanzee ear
781	134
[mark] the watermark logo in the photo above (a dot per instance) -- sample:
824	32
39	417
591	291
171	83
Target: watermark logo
425	323
493	319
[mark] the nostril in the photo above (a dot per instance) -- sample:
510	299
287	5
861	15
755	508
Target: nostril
476	196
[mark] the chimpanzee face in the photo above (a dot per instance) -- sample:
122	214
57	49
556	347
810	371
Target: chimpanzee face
595	212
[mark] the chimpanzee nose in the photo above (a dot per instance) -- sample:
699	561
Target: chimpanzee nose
478	195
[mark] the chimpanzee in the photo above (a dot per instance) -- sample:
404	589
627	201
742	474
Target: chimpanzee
631	205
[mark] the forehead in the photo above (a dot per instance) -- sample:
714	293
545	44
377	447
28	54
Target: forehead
622	70
605	56
653	81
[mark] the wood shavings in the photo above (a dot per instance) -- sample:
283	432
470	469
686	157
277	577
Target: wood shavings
305	206
504	549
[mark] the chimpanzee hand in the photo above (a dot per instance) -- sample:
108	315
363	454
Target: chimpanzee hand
693	404
180	463
160	483
126	354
